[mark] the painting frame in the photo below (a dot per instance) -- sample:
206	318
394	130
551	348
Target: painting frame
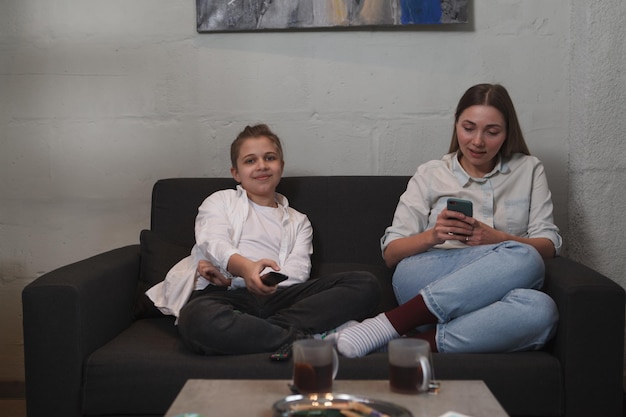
273	15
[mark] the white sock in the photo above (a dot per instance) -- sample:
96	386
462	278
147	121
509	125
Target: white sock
332	334
365	337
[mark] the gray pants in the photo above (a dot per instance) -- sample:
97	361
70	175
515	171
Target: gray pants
219	321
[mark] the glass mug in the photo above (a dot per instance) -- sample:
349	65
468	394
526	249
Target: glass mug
315	365
410	368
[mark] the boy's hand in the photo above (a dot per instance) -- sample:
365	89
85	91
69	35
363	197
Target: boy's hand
251	271
208	271
253	281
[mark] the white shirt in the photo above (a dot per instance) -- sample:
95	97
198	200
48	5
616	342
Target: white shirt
219	228
263	233
514	197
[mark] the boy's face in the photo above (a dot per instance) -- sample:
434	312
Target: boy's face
259	169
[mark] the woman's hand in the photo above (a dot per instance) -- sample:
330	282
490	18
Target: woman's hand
208	271
486	235
452	225
474	233
483	234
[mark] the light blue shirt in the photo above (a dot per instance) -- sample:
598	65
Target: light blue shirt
514	197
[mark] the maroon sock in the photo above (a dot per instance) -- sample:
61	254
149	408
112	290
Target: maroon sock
410	315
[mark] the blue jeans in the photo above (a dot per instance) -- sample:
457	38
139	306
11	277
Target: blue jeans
485	298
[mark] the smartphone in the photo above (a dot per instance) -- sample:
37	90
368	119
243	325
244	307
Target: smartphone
273	278
462	206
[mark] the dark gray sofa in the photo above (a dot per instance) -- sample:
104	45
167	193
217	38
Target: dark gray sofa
93	346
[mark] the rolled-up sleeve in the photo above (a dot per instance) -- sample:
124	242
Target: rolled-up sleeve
541	221
216	237
412	211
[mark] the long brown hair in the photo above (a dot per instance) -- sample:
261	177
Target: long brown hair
493	95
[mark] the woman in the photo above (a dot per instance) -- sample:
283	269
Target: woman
470	284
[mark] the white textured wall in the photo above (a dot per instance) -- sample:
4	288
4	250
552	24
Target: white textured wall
597	140
98	100
597	168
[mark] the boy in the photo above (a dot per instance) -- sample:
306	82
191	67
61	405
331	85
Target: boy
222	305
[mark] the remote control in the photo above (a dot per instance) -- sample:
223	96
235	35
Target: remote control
273	278
282	353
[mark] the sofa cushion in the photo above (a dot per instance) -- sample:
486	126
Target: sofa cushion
158	256
382	274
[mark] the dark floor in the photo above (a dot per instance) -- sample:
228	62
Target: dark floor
12	407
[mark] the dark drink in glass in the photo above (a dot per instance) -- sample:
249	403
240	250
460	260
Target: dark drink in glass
405	380
309	379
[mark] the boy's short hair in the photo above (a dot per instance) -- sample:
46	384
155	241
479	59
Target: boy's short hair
255	131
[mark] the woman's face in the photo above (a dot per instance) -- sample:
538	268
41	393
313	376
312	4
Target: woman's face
481	131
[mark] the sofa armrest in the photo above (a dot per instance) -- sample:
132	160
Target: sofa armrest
69	313
590	338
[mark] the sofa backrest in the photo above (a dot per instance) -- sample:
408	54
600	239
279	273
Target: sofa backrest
349	213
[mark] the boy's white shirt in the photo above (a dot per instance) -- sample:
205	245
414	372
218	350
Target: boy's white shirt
219	226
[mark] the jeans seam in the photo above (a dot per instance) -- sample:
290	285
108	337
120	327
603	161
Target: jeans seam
432	305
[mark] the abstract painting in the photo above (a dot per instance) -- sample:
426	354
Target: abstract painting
249	15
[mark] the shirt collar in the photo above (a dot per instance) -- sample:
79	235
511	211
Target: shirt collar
464	178
280	199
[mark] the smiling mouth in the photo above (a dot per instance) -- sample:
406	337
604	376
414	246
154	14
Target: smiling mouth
476	154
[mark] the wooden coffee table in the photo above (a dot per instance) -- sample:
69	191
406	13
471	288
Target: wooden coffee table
236	397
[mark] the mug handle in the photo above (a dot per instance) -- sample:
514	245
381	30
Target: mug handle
335	363
426	372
